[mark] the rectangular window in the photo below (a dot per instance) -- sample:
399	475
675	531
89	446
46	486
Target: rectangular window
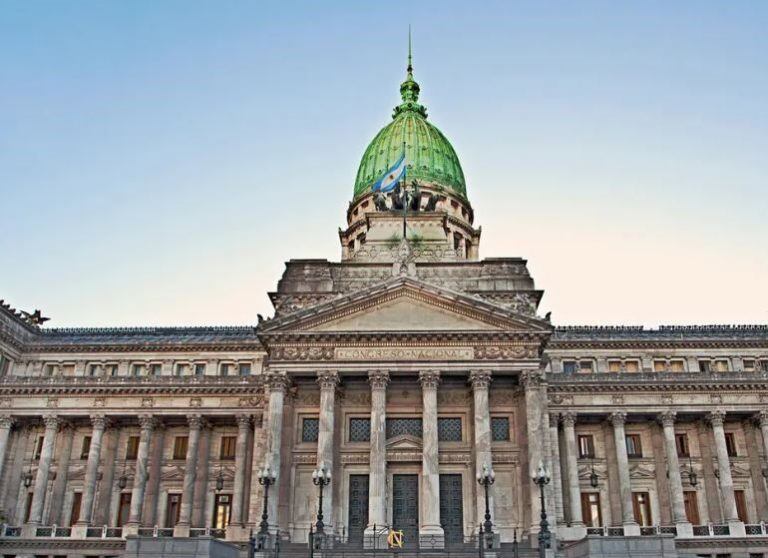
132	448
659	365
244	369
136	370
222	510
85	448
730	444
748	364
310	429
172	510
721	365
228	447
586	446
449	429
632	366
704	366
641	505
763	366
500	429
569	367
124	509
199	369
224	369
614	366
111	370
681	442
691	507
38	448
634	447
180	369
93	370
359	429
400	426
590	509
586	366
677	366
180	444
741	505
74	515
155	369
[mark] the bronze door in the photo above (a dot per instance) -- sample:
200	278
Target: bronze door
451	508
405	507
358	508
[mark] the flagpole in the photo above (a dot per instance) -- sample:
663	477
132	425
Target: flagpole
405	192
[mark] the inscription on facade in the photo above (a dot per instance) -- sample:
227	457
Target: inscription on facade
404	353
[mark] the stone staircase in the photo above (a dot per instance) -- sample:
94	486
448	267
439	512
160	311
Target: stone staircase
296	550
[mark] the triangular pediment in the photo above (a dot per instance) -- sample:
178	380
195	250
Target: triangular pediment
403	305
404	442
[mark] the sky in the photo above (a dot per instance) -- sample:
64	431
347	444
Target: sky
160	161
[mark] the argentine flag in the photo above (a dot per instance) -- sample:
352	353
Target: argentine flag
390	179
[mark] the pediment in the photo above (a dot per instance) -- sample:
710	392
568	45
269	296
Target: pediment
404	442
404	305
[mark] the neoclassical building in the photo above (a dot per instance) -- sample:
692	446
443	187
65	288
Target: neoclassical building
405	368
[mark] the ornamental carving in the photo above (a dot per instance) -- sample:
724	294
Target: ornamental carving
310	398
52	402
195	402
429	379
52	422
667	399
362	398
99	422
243	421
277	381
6	402
569	419
554	420
301	353
618	418
147	422
99	401
305	459
561	399
196	422
404	353
453	397
480	379
502	396
354	458
617	399
6	421
455	458
716	398
531	379
328	379
716	418
378	379
504	352
762	418
668	418
147	402
504	457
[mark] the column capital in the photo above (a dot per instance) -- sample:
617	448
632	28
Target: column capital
716	417
667	418
480	379
429	379
328	379
618	418
52	422
277	381
762	418
569	419
147	422
7	421
554	420
99	422
243	421
378	379
195	421
531	378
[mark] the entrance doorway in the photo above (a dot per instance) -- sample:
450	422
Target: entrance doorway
405	507
452	508
358	508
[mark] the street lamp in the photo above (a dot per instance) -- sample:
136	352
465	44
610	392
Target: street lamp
27	478
593	478
693	478
220	481
320	477
542	478
267	477
486	478
122	481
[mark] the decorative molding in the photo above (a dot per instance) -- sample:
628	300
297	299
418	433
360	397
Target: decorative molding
403	353
569	419
502	352
378	379
667	419
480	379
429	379
531	379
618	418
328	379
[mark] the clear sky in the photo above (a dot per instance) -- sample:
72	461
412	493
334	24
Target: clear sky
159	161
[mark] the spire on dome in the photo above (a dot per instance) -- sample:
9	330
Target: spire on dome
409	89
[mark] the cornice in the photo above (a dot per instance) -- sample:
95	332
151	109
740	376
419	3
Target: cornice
644	344
669	381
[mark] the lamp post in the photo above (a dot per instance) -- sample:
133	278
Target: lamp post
593	478
542	478
267	477
27	478
486	478
693	478
320	478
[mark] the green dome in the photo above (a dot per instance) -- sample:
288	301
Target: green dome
430	156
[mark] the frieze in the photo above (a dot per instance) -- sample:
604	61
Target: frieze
403	456
308	398
505	352
503	396
453	397
403	353
453	458
362	398
560	399
305	458
301	353
505	457
355	458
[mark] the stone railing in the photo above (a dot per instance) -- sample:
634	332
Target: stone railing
708	530
109	381
104	532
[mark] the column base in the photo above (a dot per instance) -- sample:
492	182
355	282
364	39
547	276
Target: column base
571	533
375	538
737	529
631	530
684	530
181	530
79	530
431	537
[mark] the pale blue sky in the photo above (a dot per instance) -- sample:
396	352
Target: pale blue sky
159	161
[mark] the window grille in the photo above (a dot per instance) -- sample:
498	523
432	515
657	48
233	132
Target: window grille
400	426
500	429
359	430
310	429
449	429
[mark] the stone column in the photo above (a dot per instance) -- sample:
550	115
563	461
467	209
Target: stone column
241	460
531	381
6	423
99	423
278	383
481	380
572	470
731	516
430	532
377	482
557	478
147	423
684	527
52	423
631	528
328	380
181	529
762	419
